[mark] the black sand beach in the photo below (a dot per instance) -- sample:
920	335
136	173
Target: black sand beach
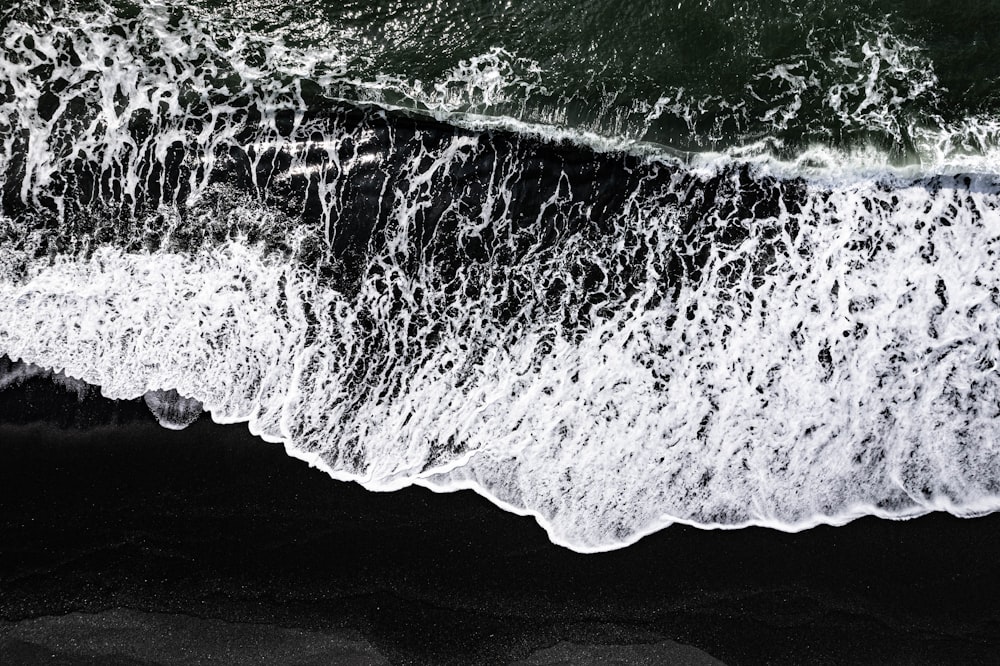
121	540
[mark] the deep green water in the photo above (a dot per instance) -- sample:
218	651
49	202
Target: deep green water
900	75
726	73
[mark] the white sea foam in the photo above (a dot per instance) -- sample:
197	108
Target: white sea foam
849	369
834	357
18	373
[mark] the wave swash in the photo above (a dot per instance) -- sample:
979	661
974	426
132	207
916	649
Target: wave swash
581	326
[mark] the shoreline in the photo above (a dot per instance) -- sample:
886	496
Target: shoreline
213	523
46	396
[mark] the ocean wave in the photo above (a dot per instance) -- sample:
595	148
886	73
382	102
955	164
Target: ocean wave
609	340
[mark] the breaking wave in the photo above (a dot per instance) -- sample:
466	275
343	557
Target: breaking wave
600	332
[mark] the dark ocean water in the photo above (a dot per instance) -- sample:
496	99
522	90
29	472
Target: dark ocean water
689	75
613	267
693	76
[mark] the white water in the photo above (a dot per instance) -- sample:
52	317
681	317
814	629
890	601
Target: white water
834	360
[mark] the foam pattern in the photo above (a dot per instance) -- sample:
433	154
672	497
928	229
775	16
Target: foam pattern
609	341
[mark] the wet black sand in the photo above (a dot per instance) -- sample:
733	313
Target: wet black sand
210	543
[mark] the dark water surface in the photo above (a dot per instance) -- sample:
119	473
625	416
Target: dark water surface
602	64
691	75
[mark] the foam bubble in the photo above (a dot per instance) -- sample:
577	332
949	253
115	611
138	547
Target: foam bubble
172	410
